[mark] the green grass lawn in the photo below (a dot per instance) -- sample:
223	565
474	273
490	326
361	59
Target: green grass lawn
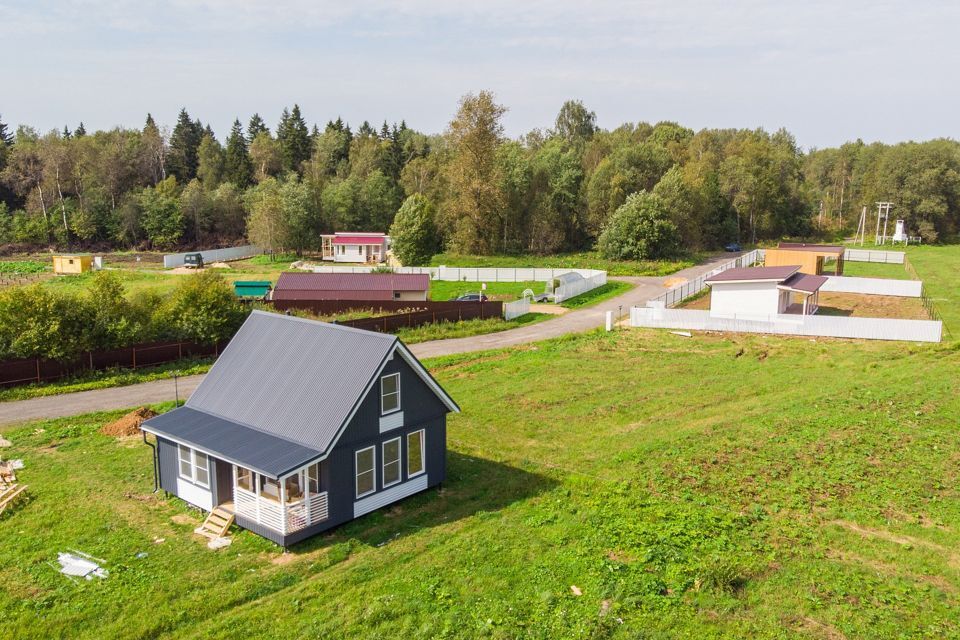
939	268
875	270
821	503
581	260
506	291
611	289
465	328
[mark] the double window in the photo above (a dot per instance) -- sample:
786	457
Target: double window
390	393
366	460
194	466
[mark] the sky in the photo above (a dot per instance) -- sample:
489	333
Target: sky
828	72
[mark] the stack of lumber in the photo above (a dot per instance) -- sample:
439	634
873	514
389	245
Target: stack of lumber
9	493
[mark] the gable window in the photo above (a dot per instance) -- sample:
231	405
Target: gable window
390	393
366	475
391	462
415	462
194	466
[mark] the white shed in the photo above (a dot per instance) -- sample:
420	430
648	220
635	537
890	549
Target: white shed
763	292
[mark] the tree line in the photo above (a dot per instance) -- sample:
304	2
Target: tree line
639	190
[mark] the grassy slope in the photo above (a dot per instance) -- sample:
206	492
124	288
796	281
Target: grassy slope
939	267
582	260
823	501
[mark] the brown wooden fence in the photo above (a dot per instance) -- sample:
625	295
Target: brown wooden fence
331	307
18	372
465	311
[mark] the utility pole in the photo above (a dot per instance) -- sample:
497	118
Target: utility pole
883	211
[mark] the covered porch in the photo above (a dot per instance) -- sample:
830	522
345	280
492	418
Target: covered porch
285	505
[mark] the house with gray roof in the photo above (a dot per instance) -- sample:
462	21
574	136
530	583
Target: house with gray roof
293	441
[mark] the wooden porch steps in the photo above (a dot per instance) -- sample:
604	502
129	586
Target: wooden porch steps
10	493
217	523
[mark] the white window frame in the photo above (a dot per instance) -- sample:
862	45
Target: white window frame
398	462
384	412
356	472
423	452
252	477
191	460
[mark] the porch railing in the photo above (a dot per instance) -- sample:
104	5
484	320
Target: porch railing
282	518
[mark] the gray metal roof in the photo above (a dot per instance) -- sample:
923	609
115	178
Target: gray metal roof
293	378
230	441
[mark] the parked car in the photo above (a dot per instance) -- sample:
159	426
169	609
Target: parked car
193	261
472	297
733	247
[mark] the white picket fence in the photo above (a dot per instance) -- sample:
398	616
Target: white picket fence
869	255
824	326
213	255
681	292
874	286
516	308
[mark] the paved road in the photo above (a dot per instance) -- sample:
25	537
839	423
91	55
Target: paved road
148	392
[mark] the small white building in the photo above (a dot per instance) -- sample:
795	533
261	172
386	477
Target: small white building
759	293
355	246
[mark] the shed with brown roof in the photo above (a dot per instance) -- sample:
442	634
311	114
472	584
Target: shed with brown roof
810	257
763	292
352	286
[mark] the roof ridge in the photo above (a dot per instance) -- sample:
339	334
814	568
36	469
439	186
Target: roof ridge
329	325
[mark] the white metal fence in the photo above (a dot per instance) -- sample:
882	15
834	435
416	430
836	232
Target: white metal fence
516	308
469	274
869	255
825	326
874	286
568	290
679	293
213	255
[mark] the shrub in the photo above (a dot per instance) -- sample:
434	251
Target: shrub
413	235
203	308
639	229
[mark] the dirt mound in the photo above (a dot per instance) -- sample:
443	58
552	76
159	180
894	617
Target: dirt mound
128	425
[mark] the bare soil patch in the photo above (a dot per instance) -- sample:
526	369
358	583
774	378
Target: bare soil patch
128	425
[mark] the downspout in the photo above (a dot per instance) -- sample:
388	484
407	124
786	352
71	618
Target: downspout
156	462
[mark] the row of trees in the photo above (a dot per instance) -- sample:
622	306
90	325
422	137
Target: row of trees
552	190
37	322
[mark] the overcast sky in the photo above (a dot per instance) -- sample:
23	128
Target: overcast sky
827	71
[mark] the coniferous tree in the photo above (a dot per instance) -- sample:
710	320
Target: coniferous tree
365	130
294	139
80	131
66	132
184	143
5	136
238	169
384	131
255	127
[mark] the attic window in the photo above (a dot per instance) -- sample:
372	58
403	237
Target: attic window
390	393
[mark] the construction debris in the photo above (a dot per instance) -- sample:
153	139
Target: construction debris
219	543
128	425
685	334
9	493
81	565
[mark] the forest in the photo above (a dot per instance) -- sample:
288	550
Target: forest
468	190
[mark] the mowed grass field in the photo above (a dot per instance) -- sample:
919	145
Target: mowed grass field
622	485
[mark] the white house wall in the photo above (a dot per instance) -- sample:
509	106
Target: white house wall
744	299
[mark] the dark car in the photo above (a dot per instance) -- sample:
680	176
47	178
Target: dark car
733	247
472	297
193	260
